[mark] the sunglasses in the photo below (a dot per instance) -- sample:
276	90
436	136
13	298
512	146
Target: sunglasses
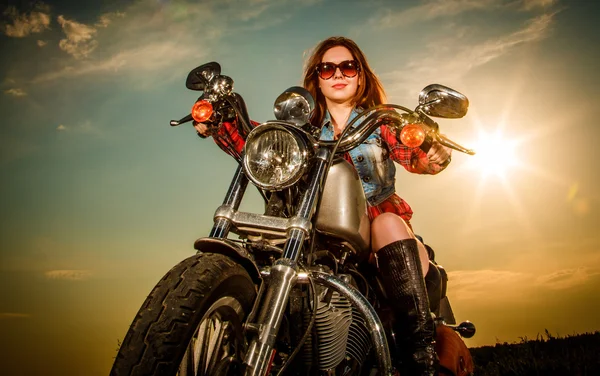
349	68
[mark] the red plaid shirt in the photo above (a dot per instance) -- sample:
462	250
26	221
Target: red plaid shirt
413	160
229	139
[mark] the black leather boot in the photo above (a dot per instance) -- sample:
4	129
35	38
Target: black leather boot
402	277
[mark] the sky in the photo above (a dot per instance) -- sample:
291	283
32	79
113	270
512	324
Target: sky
99	196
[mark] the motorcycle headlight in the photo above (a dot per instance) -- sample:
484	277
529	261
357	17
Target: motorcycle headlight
275	157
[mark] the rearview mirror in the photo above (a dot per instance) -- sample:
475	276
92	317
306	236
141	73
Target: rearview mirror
199	77
441	101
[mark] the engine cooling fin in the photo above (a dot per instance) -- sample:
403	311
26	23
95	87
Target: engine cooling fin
339	333
332	324
359	339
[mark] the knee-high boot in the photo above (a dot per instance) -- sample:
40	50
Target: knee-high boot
402	277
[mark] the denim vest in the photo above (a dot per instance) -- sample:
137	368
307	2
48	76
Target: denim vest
371	160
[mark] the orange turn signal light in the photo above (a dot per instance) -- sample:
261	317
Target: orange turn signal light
202	111
412	135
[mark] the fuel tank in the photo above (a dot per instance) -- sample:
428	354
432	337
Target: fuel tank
343	211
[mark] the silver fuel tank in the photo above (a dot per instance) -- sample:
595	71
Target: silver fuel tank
343	211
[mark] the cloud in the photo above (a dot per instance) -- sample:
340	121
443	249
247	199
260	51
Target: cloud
80	40
16	92
433	9
69	275
146	58
533	4
106	19
430	10
158	36
23	24
486	284
462	58
497	285
84	128
12	315
567	278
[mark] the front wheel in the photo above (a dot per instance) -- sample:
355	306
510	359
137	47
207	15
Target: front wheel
191	323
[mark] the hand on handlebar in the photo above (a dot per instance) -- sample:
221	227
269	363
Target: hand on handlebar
439	154
204	130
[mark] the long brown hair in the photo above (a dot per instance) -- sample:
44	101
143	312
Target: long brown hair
370	91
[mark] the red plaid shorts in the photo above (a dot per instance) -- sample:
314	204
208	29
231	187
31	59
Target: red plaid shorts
393	204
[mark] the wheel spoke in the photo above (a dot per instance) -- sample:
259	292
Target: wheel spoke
202	347
216	346
216	338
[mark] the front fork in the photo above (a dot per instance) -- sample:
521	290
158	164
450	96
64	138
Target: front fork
284	273
283	276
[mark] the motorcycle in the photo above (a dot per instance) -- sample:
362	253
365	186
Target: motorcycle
295	292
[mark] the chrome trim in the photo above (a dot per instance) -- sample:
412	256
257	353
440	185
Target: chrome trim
300	223
224	211
252	223
380	115
221	85
301	141
233	198
294	105
442	101
282	277
368	312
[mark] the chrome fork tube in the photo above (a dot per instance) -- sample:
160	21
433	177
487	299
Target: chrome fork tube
302	219
260	353
283	276
232	202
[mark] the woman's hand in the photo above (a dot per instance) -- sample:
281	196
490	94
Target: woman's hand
202	129
439	154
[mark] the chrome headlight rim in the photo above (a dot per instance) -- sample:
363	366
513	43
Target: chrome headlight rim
298	137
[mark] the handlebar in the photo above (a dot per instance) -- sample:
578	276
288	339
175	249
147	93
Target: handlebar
356	135
351	137
386	114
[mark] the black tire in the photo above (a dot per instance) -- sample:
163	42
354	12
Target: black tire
195	290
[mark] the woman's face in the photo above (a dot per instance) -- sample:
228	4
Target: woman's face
339	88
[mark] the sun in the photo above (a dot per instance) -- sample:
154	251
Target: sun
495	155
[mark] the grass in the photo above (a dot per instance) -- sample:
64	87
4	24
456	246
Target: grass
577	355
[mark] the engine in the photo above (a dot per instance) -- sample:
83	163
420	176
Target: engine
339	334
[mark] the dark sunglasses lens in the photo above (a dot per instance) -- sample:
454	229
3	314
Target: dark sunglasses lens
349	68
326	71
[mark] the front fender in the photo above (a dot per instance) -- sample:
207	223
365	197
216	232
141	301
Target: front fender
230	249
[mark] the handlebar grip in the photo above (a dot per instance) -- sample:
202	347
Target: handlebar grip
426	145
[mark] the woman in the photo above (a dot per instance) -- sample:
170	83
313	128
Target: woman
339	78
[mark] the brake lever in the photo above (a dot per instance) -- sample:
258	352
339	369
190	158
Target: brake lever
432	130
452	145
184	119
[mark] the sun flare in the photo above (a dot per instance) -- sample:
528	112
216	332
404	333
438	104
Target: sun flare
495	155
